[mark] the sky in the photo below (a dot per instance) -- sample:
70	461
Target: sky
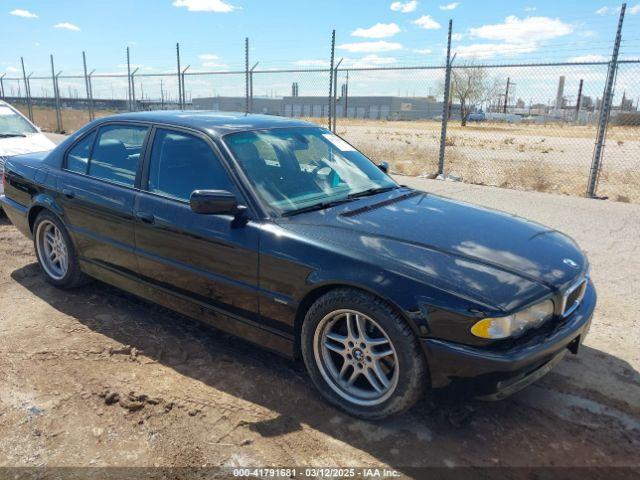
296	34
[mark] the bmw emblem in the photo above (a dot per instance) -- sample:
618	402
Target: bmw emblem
571	263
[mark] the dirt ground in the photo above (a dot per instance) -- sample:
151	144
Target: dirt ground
95	377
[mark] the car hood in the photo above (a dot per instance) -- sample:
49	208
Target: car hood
495	258
35	142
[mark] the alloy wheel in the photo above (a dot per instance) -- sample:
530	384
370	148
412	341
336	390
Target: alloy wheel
52	250
356	357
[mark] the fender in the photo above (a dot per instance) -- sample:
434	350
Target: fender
43	201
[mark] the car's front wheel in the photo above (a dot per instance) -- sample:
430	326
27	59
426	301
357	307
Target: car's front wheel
361	355
55	252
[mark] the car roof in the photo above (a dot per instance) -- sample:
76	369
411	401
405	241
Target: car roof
215	123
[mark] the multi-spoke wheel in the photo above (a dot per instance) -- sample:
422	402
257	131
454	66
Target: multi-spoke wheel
356	357
55	252
52	250
361	354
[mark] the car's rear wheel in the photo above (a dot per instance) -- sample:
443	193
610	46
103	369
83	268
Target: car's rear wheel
361	355
55	252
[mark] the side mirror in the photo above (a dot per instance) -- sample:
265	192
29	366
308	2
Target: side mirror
384	166
211	202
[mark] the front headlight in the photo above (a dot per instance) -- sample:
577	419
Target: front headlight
514	325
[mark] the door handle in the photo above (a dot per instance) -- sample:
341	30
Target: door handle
145	217
68	193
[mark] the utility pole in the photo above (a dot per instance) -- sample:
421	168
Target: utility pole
445	104
506	96
2	85
605	110
333	48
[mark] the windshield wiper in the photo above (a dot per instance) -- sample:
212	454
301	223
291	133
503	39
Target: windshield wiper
9	135
372	191
317	206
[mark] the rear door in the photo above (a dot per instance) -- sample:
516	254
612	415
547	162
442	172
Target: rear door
98	187
208	259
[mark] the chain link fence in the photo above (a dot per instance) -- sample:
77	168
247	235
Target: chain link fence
530	126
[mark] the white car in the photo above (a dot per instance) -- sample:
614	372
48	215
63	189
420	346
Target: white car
18	135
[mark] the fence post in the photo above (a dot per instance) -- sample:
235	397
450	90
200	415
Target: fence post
128	79
251	86
184	92
86	86
54	80
179	77
333	49
605	110
92	113
335	95
445	104
246	75
133	90
26	90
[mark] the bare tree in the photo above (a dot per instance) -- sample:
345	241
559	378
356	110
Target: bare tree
471	87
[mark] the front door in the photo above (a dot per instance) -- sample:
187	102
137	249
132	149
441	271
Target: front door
208	259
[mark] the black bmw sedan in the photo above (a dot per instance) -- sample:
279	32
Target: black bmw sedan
281	232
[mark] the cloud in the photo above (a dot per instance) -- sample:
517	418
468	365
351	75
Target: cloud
449	6
426	22
217	6
616	10
368	61
19	12
491	50
526	30
588	58
364	47
312	63
379	30
422	51
67	26
456	37
211	60
404	7
530	9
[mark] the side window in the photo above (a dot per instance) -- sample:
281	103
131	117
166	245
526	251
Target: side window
181	163
78	156
116	153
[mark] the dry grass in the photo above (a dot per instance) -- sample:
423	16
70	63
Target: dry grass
72	119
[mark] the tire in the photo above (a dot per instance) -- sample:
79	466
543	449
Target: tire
388	348
70	276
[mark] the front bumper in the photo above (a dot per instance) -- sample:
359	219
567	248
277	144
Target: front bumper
495	374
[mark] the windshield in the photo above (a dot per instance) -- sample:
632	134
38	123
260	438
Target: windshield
12	124
295	169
